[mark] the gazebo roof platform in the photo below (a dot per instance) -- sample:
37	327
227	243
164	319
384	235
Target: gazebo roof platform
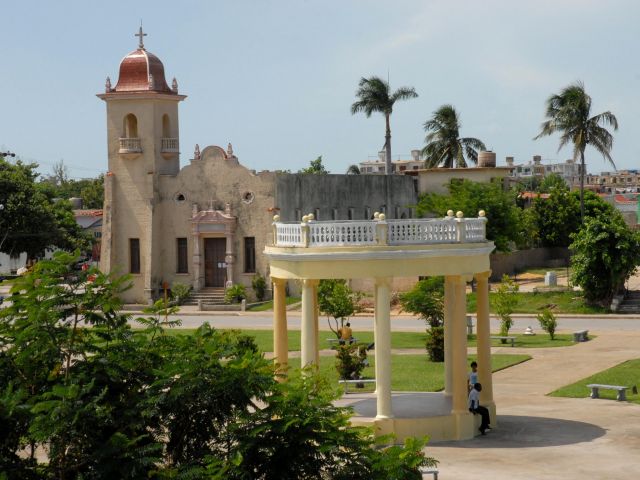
415	414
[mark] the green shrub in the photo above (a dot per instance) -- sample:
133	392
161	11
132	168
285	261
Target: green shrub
548	322
351	360
259	285
180	292
235	294
435	344
504	303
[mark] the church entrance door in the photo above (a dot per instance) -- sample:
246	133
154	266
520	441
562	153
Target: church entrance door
214	267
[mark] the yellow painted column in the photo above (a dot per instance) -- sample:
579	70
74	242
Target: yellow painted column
459	353
316	327
308	332
280	338
382	332
484	337
449	300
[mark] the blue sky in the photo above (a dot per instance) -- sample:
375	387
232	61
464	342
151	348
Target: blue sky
277	78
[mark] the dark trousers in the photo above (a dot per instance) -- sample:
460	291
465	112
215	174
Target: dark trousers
485	416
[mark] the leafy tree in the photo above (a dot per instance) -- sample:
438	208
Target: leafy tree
548	322
259	285
353	170
605	254
569	113
551	182
504	302
444	147
315	167
427	300
91	190
374	95
27	218
337	300
106	401
558	217
504	217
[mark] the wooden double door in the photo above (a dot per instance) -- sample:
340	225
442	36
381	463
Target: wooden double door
215	268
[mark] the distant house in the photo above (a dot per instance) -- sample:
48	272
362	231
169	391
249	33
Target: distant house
91	222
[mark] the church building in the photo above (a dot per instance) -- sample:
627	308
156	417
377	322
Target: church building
205	224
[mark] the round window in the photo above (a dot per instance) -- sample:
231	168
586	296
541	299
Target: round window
247	197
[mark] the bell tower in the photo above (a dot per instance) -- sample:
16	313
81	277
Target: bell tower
142	143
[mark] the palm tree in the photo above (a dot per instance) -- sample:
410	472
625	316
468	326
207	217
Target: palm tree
353	170
374	95
568	113
444	147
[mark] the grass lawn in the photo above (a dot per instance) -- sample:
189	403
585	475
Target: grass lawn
269	305
409	373
626	374
528	302
264	339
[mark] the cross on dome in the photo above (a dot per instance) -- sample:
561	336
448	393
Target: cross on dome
140	34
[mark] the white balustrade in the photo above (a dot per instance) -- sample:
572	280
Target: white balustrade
288	234
422	231
346	233
169	145
130	145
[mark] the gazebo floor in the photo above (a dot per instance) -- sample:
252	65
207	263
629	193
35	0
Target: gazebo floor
415	414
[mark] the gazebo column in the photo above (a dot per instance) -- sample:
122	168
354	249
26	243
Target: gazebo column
484	339
459	390
382	332
449	300
308	332
280	338
316	327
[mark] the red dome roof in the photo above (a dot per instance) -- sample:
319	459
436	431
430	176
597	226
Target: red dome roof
141	71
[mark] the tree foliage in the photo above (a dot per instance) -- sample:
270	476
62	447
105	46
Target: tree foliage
105	401
30	221
605	254
444	147
556	218
504	302
569	114
374	95
504	217
315	167
336	300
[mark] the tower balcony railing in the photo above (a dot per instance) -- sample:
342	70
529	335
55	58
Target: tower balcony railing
169	145
130	145
379	231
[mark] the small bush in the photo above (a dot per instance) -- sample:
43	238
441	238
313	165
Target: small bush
351	360
180	292
548	322
259	285
504	303
235	294
435	344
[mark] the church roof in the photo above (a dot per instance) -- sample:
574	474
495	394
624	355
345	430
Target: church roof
142	71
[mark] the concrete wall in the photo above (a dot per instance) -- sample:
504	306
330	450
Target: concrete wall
514	262
436	180
299	194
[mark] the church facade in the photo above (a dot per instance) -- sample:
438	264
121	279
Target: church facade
205	224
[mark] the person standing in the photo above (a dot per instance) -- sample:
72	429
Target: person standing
476	408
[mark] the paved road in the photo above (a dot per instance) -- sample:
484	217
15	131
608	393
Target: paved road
604	323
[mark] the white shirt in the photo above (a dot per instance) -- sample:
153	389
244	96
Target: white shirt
474	399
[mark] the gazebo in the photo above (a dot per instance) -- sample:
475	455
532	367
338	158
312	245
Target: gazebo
380	249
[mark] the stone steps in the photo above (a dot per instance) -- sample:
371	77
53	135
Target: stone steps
631	303
208	296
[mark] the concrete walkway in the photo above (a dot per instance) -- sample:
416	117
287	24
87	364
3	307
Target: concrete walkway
540	437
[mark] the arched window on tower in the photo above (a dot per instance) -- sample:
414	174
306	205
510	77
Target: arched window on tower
169	143
130	142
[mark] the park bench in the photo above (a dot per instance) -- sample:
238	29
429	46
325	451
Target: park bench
429	471
504	339
581	336
336	341
351	382
621	396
